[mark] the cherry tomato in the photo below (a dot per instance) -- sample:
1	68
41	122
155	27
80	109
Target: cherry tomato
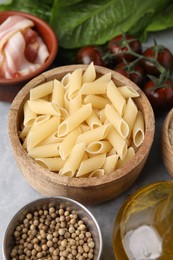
117	46
164	57
161	98
88	54
136	74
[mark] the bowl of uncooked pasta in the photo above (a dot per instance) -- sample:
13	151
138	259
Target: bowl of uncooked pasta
81	131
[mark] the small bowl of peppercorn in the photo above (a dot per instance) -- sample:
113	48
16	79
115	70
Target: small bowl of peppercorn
53	228
167	142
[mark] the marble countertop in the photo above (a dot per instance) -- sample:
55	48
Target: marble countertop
15	192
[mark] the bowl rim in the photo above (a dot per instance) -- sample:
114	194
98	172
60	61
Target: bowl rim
47	200
140	155
52	54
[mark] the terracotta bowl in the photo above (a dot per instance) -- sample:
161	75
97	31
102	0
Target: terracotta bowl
44	204
167	150
86	190
10	87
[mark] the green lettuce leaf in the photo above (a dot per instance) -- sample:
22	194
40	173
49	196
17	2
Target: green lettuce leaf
78	23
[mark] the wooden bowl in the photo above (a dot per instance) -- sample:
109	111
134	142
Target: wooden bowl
10	87
167	150
86	190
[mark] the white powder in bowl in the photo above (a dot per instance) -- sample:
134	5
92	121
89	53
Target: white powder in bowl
143	243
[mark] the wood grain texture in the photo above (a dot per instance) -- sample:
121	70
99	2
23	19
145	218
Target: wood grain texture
86	190
167	151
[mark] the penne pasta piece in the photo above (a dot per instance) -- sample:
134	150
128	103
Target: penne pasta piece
91	164
73	161
51	139
96	101
102	116
52	164
138	130
97	173
98	147
58	93
44	107
130	153
117	121
98	86
84	128
90	74
110	163
96	134
66	146
117	142
75	83
74	120
63	114
24	132
41	119
128	92
93	121
29	115
41	90
65	80
66	100
39	134
130	114
117	100
44	151
75	103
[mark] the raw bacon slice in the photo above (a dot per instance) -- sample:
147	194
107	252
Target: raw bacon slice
11	25
16	62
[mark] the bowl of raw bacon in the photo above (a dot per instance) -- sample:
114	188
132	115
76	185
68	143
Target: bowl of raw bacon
28	46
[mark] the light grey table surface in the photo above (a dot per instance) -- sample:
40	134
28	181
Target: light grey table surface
15	192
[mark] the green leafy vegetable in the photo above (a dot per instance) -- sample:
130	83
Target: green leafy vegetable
81	22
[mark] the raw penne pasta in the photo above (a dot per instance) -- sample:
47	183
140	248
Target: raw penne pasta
102	116
75	83
117	142
58	93
73	161
29	115
127	92
74	120
44	107
117	100
91	164
90	74
44	151
65	80
41	90
84	128
96	134
138	130
98	147
110	163
96	101
130	114
41	119
75	103
51	139
97	173
117	121
93	121
63	113
130	153
66	146
40	133
24	132
52	164
98	86
66	100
